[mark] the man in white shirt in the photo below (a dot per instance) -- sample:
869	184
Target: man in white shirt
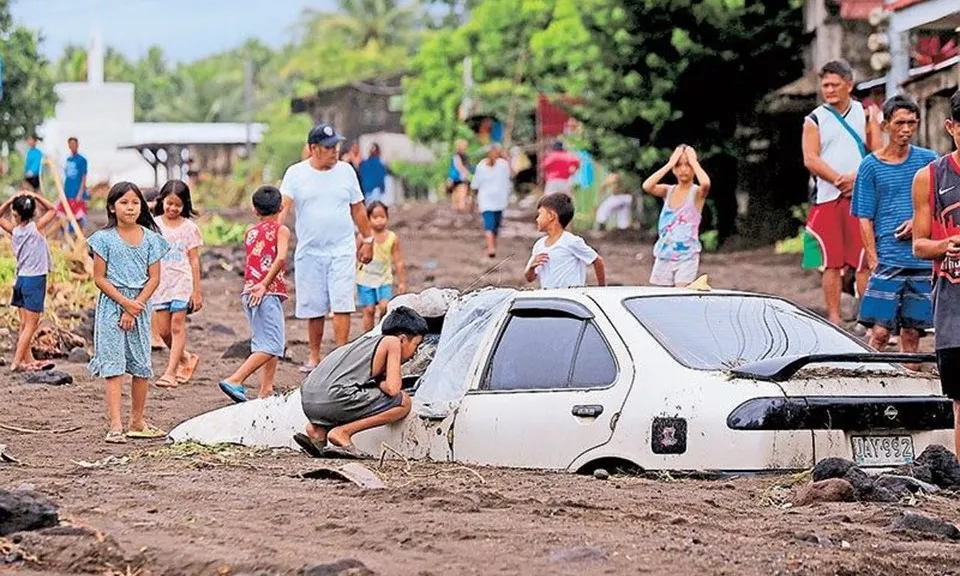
491	180
560	259
325	197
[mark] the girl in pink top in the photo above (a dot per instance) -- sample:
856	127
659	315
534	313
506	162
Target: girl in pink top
179	291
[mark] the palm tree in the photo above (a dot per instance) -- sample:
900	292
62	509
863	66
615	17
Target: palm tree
361	22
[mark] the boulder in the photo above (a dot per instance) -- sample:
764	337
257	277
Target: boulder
50	378
862	483
78	355
918	471
830	490
831	468
943	466
923	524
22	510
901	485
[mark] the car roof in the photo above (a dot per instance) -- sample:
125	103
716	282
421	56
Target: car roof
623	292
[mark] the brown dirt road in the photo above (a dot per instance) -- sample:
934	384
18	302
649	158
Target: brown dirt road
156	510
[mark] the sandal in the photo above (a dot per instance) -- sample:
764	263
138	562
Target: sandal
185	372
234	391
166	382
349	452
309	445
148	432
115	437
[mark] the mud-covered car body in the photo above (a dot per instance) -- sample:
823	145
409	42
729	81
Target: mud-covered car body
663	379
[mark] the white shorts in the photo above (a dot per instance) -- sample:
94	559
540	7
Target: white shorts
557	186
325	284
618	204
674	272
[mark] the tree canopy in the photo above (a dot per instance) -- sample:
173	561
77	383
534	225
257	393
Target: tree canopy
28	96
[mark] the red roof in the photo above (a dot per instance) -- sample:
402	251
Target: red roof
859	9
901	4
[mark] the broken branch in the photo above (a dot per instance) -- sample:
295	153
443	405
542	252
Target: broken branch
11	428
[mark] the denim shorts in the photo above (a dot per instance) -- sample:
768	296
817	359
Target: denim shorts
492	220
29	292
367	296
266	325
173	306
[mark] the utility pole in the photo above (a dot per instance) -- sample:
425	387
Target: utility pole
248	99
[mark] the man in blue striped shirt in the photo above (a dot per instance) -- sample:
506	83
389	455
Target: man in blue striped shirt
898	292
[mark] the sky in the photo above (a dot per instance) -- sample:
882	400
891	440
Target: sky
185	29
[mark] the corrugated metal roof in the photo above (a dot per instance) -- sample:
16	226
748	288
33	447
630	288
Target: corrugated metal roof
187	133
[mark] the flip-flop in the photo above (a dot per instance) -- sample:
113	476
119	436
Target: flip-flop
35	366
307	368
148	432
236	393
185	372
344	452
166	382
309	445
115	437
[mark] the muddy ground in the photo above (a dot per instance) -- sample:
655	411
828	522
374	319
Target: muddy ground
149	509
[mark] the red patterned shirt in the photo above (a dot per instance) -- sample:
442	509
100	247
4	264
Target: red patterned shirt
261	245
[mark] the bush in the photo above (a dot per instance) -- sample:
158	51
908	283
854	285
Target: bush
217	231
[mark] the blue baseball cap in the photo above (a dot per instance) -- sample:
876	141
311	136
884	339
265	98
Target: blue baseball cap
324	135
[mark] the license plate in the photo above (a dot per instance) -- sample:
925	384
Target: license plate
882	450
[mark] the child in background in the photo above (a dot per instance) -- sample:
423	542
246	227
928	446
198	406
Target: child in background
126	269
264	291
492	181
677	251
33	265
375	280
560	259
156	342
179	290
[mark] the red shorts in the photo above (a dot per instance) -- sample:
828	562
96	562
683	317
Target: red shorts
837	233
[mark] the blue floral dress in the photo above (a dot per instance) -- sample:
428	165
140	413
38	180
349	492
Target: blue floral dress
117	352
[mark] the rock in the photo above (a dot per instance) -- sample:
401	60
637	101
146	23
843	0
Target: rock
813	538
239	350
345	567
50	378
839	519
943	465
901	485
861	481
830	490
831	468
601	474
51	342
578	554
78	356
20	511
881	494
918	471
923	524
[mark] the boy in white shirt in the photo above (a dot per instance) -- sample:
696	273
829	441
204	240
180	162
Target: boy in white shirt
492	182
560	259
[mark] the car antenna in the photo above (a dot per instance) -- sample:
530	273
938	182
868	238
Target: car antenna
487	273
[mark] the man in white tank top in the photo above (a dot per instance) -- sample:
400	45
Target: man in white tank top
836	137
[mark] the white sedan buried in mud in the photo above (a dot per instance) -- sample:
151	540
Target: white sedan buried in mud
660	379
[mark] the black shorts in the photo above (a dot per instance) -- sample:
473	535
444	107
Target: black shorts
33	181
948	363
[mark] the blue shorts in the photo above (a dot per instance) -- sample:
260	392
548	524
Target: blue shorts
172	306
367	296
268	335
29	292
491	221
898	297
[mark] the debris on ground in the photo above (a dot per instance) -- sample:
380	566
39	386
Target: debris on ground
935	469
351	472
914	522
6	457
203	456
52	342
22	510
345	567
49	378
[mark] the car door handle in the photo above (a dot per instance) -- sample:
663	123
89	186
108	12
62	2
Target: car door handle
587	410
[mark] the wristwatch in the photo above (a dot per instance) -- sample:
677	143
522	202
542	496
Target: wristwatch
368	240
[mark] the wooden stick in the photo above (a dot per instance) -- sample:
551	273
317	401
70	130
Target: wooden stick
64	202
11	428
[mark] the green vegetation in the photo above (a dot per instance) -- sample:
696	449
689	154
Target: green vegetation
217	231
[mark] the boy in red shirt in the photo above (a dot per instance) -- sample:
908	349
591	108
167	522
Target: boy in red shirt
558	169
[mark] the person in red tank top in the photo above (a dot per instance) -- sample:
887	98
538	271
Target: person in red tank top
264	291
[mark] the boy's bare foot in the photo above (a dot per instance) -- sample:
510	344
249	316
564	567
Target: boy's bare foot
186	369
115	437
167	381
338	438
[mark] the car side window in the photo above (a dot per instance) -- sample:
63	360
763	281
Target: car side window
550	352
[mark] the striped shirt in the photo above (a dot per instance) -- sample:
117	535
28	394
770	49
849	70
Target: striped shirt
884	193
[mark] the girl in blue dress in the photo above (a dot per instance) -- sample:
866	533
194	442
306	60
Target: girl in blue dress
126	269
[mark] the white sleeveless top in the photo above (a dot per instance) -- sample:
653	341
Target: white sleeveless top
837	146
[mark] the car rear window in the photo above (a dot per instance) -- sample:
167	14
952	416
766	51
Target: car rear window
717	332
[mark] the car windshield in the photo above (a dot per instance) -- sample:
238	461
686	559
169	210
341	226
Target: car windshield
718	332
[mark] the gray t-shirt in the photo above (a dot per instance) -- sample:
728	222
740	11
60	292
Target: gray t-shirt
31	251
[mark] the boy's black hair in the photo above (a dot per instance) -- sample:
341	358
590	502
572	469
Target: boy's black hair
404	321
25	207
955	106
267	201
377	204
838	67
179	189
899	102
118	191
561	204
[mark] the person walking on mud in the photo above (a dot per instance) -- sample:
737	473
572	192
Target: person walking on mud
897	297
936	236
837	135
325	196
458	178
